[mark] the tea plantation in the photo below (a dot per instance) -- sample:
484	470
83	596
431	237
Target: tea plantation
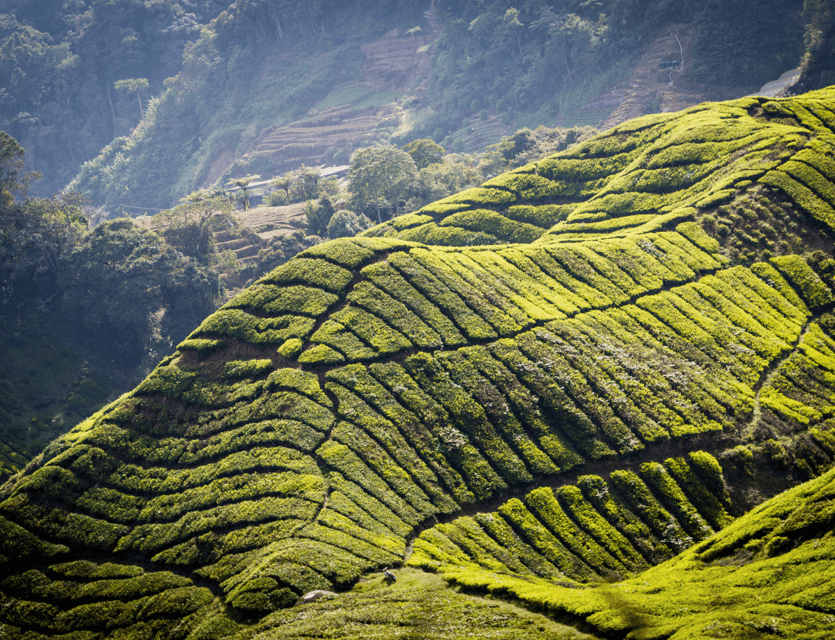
576	387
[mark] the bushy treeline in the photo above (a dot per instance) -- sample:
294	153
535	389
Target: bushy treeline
117	283
384	181
819	60
550	57
93	308
61	64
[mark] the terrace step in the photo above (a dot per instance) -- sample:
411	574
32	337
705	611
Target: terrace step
233	245
652	86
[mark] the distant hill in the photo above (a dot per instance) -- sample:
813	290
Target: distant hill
140	104
577	386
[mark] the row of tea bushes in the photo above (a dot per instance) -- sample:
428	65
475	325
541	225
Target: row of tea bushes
768	573
631	179
309	486
83	599
303	433
589	531
798	392
431	298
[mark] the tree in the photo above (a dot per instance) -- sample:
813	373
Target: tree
283	183
33	233
318	216
133	84
498	27
50	227
11	165
188	225
128	291
12	178
546	141
306	185
515	144
243	185
347	224
425	152
379	176
439	180
818	65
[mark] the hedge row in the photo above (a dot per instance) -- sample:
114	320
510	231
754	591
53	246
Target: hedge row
591	530
428	299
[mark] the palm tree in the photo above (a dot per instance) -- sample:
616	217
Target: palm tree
243	184
283	183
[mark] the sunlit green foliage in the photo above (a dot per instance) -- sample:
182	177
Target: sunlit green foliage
578	528
424	152
760	573
597	405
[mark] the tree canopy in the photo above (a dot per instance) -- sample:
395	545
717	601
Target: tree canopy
11	167
125	286
346	224
379	176
133	84
424	152
243	184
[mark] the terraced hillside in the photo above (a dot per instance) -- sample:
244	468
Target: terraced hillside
314	139
563	386
360	112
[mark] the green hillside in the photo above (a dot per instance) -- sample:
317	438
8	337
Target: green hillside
569	386
768	574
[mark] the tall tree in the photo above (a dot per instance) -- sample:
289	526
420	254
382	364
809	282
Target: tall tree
133	84
379	176
284	182
308	181
33	233
243	184
425	152
11	168
318	215
346	224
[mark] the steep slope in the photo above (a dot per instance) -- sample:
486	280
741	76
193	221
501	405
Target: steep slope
401	396
647	174
749	581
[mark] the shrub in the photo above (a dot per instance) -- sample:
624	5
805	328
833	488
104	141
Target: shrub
346	224
235	369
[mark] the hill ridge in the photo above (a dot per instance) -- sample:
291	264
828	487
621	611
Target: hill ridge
380	394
